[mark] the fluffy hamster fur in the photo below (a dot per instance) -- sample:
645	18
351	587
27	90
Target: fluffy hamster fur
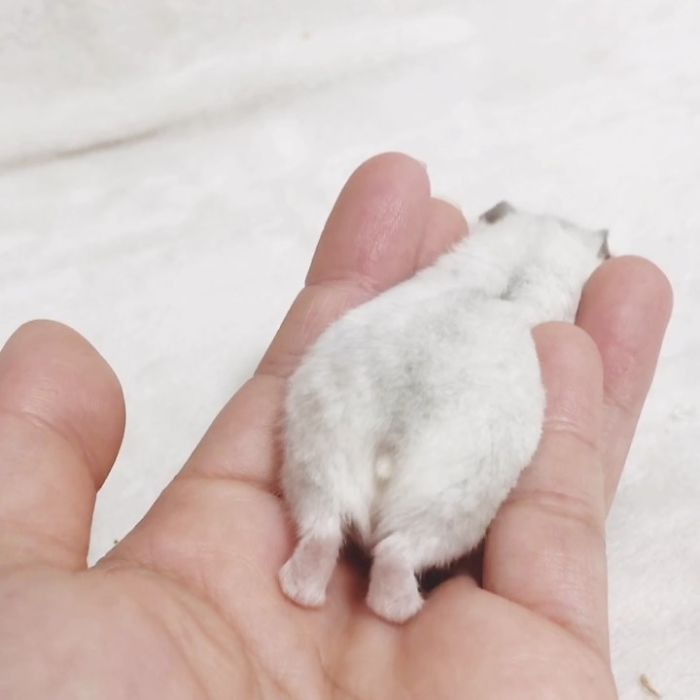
410	419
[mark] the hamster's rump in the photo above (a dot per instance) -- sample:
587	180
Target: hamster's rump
410	419
427	416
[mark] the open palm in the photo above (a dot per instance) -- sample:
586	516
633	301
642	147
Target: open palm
188	604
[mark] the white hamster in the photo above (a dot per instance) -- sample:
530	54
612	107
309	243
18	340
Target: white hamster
411	417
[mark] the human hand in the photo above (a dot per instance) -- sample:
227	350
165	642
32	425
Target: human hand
188	604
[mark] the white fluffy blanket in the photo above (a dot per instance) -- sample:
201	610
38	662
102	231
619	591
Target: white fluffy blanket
166	167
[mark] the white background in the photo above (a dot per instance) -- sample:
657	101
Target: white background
166	167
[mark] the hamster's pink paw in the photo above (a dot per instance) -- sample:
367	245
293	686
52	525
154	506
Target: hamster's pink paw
301	586
393	590
304	578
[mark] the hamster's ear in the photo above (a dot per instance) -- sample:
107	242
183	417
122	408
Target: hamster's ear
497	212
604	250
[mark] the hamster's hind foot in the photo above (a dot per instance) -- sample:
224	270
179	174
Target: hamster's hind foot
305	576
393	589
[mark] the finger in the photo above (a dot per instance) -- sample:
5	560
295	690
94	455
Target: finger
61	424
625	308
370	242
546	547
446	225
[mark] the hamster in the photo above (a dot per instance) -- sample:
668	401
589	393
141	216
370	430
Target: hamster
410	419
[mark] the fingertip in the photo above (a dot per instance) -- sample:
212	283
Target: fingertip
625	307
375	228
628	287
50	371
445	226
656	281
395	163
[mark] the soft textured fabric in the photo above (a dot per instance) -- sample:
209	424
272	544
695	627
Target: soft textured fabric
166	166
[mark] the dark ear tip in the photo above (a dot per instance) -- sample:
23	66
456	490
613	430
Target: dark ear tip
497	212
604	251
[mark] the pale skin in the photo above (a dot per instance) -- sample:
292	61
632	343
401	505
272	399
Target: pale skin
188	605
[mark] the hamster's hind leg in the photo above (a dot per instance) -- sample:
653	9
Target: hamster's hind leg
437	536
393	588
305	576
